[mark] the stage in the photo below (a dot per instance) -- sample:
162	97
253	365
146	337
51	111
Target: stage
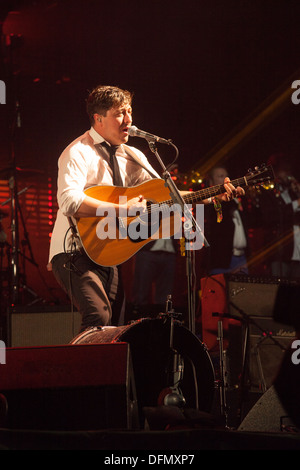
107	391
145	442
220	81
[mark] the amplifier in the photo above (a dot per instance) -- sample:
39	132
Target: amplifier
254	296
251	300
43	326
269	341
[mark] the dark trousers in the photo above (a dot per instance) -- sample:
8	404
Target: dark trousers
156	267
94	290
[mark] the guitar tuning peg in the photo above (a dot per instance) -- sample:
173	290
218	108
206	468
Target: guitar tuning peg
250	170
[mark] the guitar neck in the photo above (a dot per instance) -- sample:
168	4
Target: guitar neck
200	195
206	193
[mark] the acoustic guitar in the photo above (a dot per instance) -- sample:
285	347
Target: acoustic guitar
109	240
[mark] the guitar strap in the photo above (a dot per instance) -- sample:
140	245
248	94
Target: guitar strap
146	167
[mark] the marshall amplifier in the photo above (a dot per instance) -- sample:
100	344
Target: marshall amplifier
269	341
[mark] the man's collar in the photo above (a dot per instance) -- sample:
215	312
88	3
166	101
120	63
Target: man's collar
97	138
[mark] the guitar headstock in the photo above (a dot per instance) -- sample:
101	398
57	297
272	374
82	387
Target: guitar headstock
259	175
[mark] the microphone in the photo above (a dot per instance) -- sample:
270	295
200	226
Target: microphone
133	131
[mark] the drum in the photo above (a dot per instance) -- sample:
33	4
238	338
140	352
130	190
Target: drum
149	341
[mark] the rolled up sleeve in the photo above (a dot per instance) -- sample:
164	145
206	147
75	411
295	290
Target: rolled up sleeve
72	176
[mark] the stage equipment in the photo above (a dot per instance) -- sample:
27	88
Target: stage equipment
153	363
268	415
48	326
287	383
68	388
253	300
254	342
17	276
246	304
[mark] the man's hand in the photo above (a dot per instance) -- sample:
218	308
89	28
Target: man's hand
136	204
231	191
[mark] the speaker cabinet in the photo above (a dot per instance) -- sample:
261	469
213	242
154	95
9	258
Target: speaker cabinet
267	415
72	387
241	301
253	296
269	340
56	326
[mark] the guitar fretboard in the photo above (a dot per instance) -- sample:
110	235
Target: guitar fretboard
206	193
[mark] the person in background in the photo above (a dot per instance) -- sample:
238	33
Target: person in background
281	219
226	234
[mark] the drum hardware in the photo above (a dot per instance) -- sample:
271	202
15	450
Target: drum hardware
172	395
149	341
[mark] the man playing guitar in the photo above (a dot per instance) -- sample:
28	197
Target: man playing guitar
94	288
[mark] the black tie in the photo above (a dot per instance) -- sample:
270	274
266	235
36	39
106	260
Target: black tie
113	162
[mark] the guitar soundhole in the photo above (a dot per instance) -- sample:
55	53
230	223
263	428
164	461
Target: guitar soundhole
145	225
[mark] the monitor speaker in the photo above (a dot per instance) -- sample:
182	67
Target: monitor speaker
268	415
73	387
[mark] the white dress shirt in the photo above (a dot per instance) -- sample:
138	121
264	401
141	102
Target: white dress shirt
80	167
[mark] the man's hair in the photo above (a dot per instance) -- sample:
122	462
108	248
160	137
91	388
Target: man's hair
103	98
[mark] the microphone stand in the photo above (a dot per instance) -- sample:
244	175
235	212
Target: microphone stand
189	225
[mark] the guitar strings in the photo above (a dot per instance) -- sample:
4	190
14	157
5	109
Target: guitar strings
207	192
194	196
